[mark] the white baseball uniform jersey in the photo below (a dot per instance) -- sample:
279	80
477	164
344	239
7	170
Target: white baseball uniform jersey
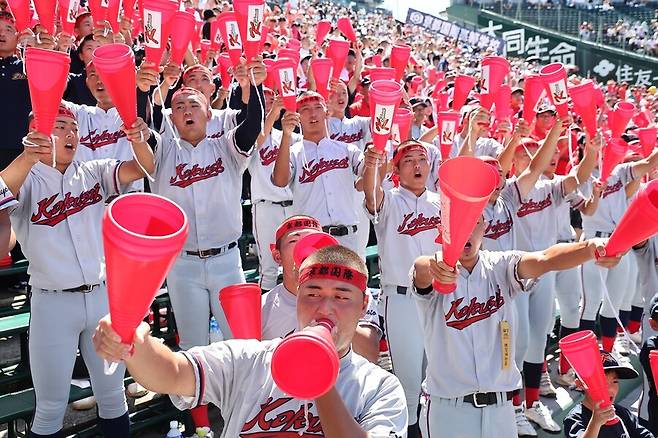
279	313
235	376
355	130
500	234
483	147
221	121
260	169
647	267
434	158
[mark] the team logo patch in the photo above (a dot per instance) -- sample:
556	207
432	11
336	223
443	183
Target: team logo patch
315	169
413	225
531	206
348	138
268	156
94	140
152	28
254	14
186	176
233	35
498	229
274	422
609	190
50	212
383	119
462	315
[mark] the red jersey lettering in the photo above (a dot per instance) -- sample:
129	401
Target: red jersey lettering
531	206
315	169
186	176
51	212
413	225
273	422
459	317
94	141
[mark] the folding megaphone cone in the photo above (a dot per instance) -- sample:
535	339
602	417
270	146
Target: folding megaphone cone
269	79
129	8
533	92
47	74
305	364
554	77
432	75
653	362
98	10
463	86
441	101
639	222
20	9
321	31
46	11
377	60
230	32
613	154
337	52
215	36
503	103
224	61
399	59
285	77
647	138
640	119
447	123
204	48
310	243
158	16
462	203
382	74
401	125
293	54
181	35
115	64
241	304
251	16
113	15
623	113
142	236
582	97
494	70
321	68
384	99
68	13
345	26
416	82
582	352
599	99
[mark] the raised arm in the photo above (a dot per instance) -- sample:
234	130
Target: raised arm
272	117
374	159
281	172
642	167
507	155
586	166
139	135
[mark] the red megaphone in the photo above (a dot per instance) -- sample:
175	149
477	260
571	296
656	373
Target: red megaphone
115	64
399	59
432	75
384	99
503	103
224	61
269	79
382	74
584	106
647	138
582	353
447	123
215	36
98	10
345	26
47	73
182	33
230	32
305	364
20	9
250	15
377	60
401	124
321	68
310	243
143	234
204	48
241	304
641	120
321	31
129	8
623	113
599	99
555	81
639	222
462	203
441	101
337	52
294	44
533	91
463	86
198	25
416	82
46	11
68	13
494	70
653	362
113	15
613	154
158	16
285	77
286	52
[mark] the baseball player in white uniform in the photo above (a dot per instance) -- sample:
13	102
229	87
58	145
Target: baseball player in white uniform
470	389
320	172
56	214
407	224
236	376
279	305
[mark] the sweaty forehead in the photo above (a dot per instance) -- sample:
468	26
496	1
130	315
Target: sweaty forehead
185	98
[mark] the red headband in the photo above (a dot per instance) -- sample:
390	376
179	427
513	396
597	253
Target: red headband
401	150
65	112
297	223
310	97
330	271
197	67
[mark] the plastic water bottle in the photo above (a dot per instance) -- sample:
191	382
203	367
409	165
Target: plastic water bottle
174	432
215	332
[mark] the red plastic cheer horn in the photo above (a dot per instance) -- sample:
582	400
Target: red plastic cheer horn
204	48
533	92
653	362
129	8
462	203
441	101
68	13
181	35
293	54
447	123
337	52
322	29
463	86
416	82
98	9
377	60
285	77
224	61
503	103
613	154
294	44
432	75
113	17
158	16
269	79
399	59
599	99
310	243
401	124
242	308
647	138
143	234
555	81
46	11
494	70
305	364
250	15
639	222
584	106
623	113
228	28
322	68
215	36
382	74
384	99
582	353
345	26
20	9
47	73
115	64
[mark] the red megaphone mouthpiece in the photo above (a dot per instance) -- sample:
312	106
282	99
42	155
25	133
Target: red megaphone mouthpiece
242	308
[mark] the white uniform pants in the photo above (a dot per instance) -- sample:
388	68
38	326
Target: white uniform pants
266	218
535	306
596	281
351	241
569	292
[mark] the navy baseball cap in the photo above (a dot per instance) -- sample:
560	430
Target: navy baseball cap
610	363
653	308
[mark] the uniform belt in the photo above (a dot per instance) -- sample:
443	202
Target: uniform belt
483	399
602	234
402	290
282	203
339	230
205	253
565	241
86	288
